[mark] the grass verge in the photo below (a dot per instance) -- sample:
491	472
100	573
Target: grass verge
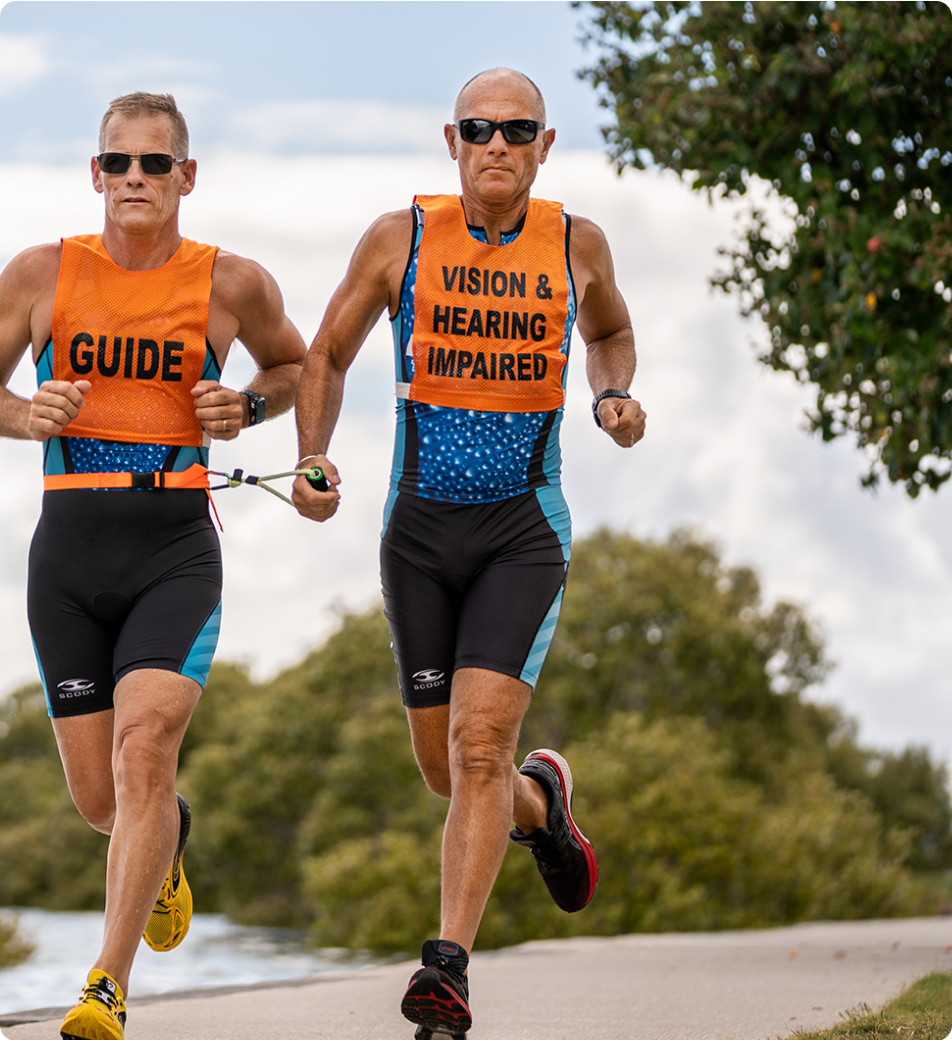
921	1012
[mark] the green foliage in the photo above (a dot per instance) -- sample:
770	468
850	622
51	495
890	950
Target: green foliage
716	794
665	629
685	844
272	755
49	857
845	109
14	948
906	788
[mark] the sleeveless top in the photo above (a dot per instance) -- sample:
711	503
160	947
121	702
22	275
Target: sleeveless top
140	338
481	347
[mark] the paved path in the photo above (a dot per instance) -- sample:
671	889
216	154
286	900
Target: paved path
745	985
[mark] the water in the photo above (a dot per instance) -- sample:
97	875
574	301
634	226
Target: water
215	953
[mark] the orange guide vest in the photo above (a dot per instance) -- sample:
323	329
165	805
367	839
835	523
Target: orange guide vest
489	321
137	336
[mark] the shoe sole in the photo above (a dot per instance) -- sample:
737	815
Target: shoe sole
185	827
564	773
435	1007
427	1033
176	936
71	1036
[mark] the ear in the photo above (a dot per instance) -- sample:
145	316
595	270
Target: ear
189	170
548	137
96	174
449	132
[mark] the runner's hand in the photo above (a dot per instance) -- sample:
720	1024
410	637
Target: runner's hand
55	405
311	503
622	419
218	409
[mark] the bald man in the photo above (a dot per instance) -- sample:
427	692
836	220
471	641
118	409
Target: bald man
482	290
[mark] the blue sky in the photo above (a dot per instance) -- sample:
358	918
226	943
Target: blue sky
309	119
222	58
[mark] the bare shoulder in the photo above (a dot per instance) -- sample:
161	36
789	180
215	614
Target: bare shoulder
238	281
35	269
587	241
376	269
590	256
388	237
390	226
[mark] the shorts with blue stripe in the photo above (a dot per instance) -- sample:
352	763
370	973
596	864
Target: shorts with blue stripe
472	586
120	581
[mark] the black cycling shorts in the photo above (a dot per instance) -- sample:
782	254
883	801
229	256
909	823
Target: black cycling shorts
472	586
121	580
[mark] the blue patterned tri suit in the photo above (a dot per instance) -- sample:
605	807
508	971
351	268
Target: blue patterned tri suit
122	578
476	537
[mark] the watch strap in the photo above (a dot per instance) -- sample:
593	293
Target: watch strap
601	397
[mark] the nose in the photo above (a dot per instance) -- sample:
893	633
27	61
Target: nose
135	172
497	142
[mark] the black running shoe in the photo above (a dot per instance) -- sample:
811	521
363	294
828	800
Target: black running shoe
437	999
564	856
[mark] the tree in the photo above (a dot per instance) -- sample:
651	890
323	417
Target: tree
49	855
845	111
716	793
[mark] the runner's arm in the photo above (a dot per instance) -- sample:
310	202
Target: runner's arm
55	404
371	284
604	324
253	302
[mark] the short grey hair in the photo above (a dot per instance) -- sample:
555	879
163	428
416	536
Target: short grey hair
141	103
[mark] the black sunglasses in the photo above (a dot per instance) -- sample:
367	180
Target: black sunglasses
515	131
153	164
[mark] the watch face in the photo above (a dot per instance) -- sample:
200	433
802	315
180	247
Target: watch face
255	407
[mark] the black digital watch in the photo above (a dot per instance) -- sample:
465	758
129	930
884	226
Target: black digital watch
256	407
602	396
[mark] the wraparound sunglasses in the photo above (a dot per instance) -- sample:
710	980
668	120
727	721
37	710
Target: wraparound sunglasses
154	164
514	131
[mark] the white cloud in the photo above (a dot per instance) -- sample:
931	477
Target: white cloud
338	126
724	450
22	61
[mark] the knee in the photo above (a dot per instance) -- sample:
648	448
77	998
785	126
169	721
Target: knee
96	805
143	760
436	776
480	753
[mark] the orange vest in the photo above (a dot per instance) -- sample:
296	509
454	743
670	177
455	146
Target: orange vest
137	336
489	321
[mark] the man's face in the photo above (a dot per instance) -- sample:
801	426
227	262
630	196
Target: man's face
498	171
136	202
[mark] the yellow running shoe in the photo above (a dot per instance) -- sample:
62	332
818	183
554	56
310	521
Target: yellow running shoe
172	913
100	1013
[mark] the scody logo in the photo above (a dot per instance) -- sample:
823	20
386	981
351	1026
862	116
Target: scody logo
426	678
76	688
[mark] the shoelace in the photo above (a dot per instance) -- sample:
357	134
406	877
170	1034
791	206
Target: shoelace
100	991
445	964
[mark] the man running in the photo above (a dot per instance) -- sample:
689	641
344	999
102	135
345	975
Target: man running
482	291
129	331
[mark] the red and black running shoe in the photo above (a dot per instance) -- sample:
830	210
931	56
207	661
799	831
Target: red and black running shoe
564	856
437	999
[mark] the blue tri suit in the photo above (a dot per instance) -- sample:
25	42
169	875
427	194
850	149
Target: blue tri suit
477	535
121	580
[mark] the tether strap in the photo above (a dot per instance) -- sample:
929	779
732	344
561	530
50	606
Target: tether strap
196	476
236	479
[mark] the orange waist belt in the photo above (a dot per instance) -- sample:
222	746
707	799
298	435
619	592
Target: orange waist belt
196	476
